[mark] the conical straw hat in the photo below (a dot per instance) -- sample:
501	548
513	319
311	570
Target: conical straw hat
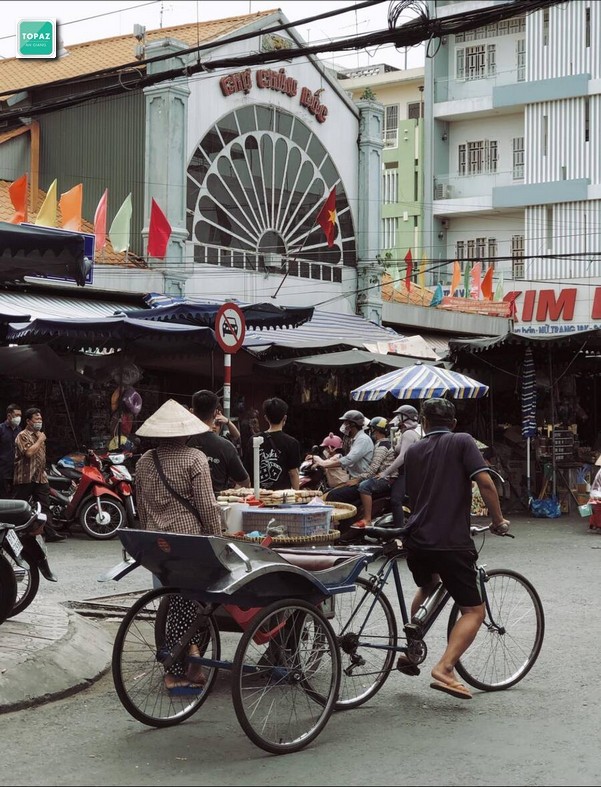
172	420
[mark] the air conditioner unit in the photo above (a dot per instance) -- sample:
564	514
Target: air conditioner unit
442	191
272	261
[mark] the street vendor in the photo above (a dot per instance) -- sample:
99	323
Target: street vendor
595	493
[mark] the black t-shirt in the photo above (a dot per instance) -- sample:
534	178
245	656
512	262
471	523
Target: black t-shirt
279	453
224	462
439	471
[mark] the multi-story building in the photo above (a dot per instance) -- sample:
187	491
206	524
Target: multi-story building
512	165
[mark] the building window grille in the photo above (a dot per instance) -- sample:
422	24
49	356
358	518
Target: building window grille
478	157
545	27
391	125
587	118
471	249
390	186
389	231
521	59
587	27
462	160
476	62
460	252
492	250
517	256
495	29
518	158
415	110
480	248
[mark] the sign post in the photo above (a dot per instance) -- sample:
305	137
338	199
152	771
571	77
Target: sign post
230	329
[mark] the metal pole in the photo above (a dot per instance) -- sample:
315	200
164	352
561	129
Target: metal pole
227	383
257	443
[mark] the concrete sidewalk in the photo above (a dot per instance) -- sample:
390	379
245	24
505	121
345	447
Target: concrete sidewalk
48	652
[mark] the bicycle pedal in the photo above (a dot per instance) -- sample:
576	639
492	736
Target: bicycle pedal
407	669
413	631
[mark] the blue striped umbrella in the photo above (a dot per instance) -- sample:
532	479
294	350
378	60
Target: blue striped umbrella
420	381
528	395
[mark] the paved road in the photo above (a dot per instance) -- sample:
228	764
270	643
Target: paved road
545	731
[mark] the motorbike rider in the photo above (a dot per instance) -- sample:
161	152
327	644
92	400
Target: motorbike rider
408	422
378	480
332	447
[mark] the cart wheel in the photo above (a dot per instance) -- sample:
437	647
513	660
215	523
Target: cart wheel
286	676
139	652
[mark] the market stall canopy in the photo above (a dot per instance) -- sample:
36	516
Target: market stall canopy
323	330
203	312
589	340
420	381
344	358
38	251
114	333
36	362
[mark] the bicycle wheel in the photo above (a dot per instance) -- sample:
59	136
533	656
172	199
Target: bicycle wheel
138	672
286	676
506	647
363	616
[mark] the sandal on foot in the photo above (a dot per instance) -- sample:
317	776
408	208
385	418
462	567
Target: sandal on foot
183	687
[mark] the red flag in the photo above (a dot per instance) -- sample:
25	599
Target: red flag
409	270
18	196
486	285
476	287
159	232
100	221
327	217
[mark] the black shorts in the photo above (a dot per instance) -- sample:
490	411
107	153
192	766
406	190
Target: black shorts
457	570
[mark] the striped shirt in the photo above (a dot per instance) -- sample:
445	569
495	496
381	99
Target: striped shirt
29	469
187	471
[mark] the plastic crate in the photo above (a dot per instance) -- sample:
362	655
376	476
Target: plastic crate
297	521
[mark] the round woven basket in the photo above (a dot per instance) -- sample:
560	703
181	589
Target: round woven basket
280	541
341	510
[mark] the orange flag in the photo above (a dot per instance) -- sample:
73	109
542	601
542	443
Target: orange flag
100	221
476	287
456	280
487	291
70	205
18	196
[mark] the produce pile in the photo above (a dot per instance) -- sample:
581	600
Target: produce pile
267	496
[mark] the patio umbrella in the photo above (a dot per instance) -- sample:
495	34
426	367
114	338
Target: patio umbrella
528	407
420	381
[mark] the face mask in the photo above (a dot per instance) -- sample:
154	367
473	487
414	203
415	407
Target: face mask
15	421
344	429
38	426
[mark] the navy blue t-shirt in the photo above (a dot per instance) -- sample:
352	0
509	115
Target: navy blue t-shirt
439	471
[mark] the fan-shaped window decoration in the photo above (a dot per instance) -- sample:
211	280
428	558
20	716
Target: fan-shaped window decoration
256	183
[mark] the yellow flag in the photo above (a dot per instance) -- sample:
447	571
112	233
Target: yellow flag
70	205
421	275
47	213
456	280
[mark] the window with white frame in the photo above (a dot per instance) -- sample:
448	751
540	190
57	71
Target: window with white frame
476	62
515	25
460	252
478	157
389	231
518	158
520	50
390	185
517	256
480	248
484	250
492	250
391	125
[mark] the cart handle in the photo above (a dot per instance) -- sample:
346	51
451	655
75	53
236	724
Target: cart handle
237	551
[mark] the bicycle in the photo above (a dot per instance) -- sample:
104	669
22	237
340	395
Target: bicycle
504	651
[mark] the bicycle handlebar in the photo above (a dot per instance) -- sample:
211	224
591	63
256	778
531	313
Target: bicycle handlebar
474	529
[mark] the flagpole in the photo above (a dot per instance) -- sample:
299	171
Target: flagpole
296	253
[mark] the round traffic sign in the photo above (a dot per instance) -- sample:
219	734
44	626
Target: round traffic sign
230	327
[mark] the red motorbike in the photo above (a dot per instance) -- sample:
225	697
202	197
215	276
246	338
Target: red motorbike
120	481
84	496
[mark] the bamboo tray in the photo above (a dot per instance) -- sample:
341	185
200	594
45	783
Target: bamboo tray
280	541
341	510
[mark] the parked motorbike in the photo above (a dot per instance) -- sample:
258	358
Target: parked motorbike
23	550
121	481
84	496
311	476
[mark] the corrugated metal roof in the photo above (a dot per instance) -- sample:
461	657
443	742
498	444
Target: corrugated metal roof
57	306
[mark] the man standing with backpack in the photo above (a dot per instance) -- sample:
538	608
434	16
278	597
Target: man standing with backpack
279	455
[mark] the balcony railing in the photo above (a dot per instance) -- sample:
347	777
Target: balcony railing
455	186
451	89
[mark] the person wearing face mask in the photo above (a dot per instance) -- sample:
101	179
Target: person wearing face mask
30	479
9	429
408	422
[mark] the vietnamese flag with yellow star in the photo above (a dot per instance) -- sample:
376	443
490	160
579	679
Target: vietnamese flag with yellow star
327	217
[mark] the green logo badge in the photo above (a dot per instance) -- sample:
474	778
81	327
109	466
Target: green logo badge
36	38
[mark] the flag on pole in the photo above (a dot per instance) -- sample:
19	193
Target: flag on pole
119	229
456	280
476	288
438	295
466	279
100	221
487	283
499	290
327	217
408	269
17	192
159	232
70	205
47	214
421	276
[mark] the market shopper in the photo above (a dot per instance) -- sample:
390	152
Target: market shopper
439	472
175	495
279	455
9	429
29	475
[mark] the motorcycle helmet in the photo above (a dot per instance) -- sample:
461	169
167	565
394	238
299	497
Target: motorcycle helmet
407	412
331	441
379	423
354	417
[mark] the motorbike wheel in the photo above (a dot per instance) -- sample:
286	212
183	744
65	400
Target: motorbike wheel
102	526
28	582
8	588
